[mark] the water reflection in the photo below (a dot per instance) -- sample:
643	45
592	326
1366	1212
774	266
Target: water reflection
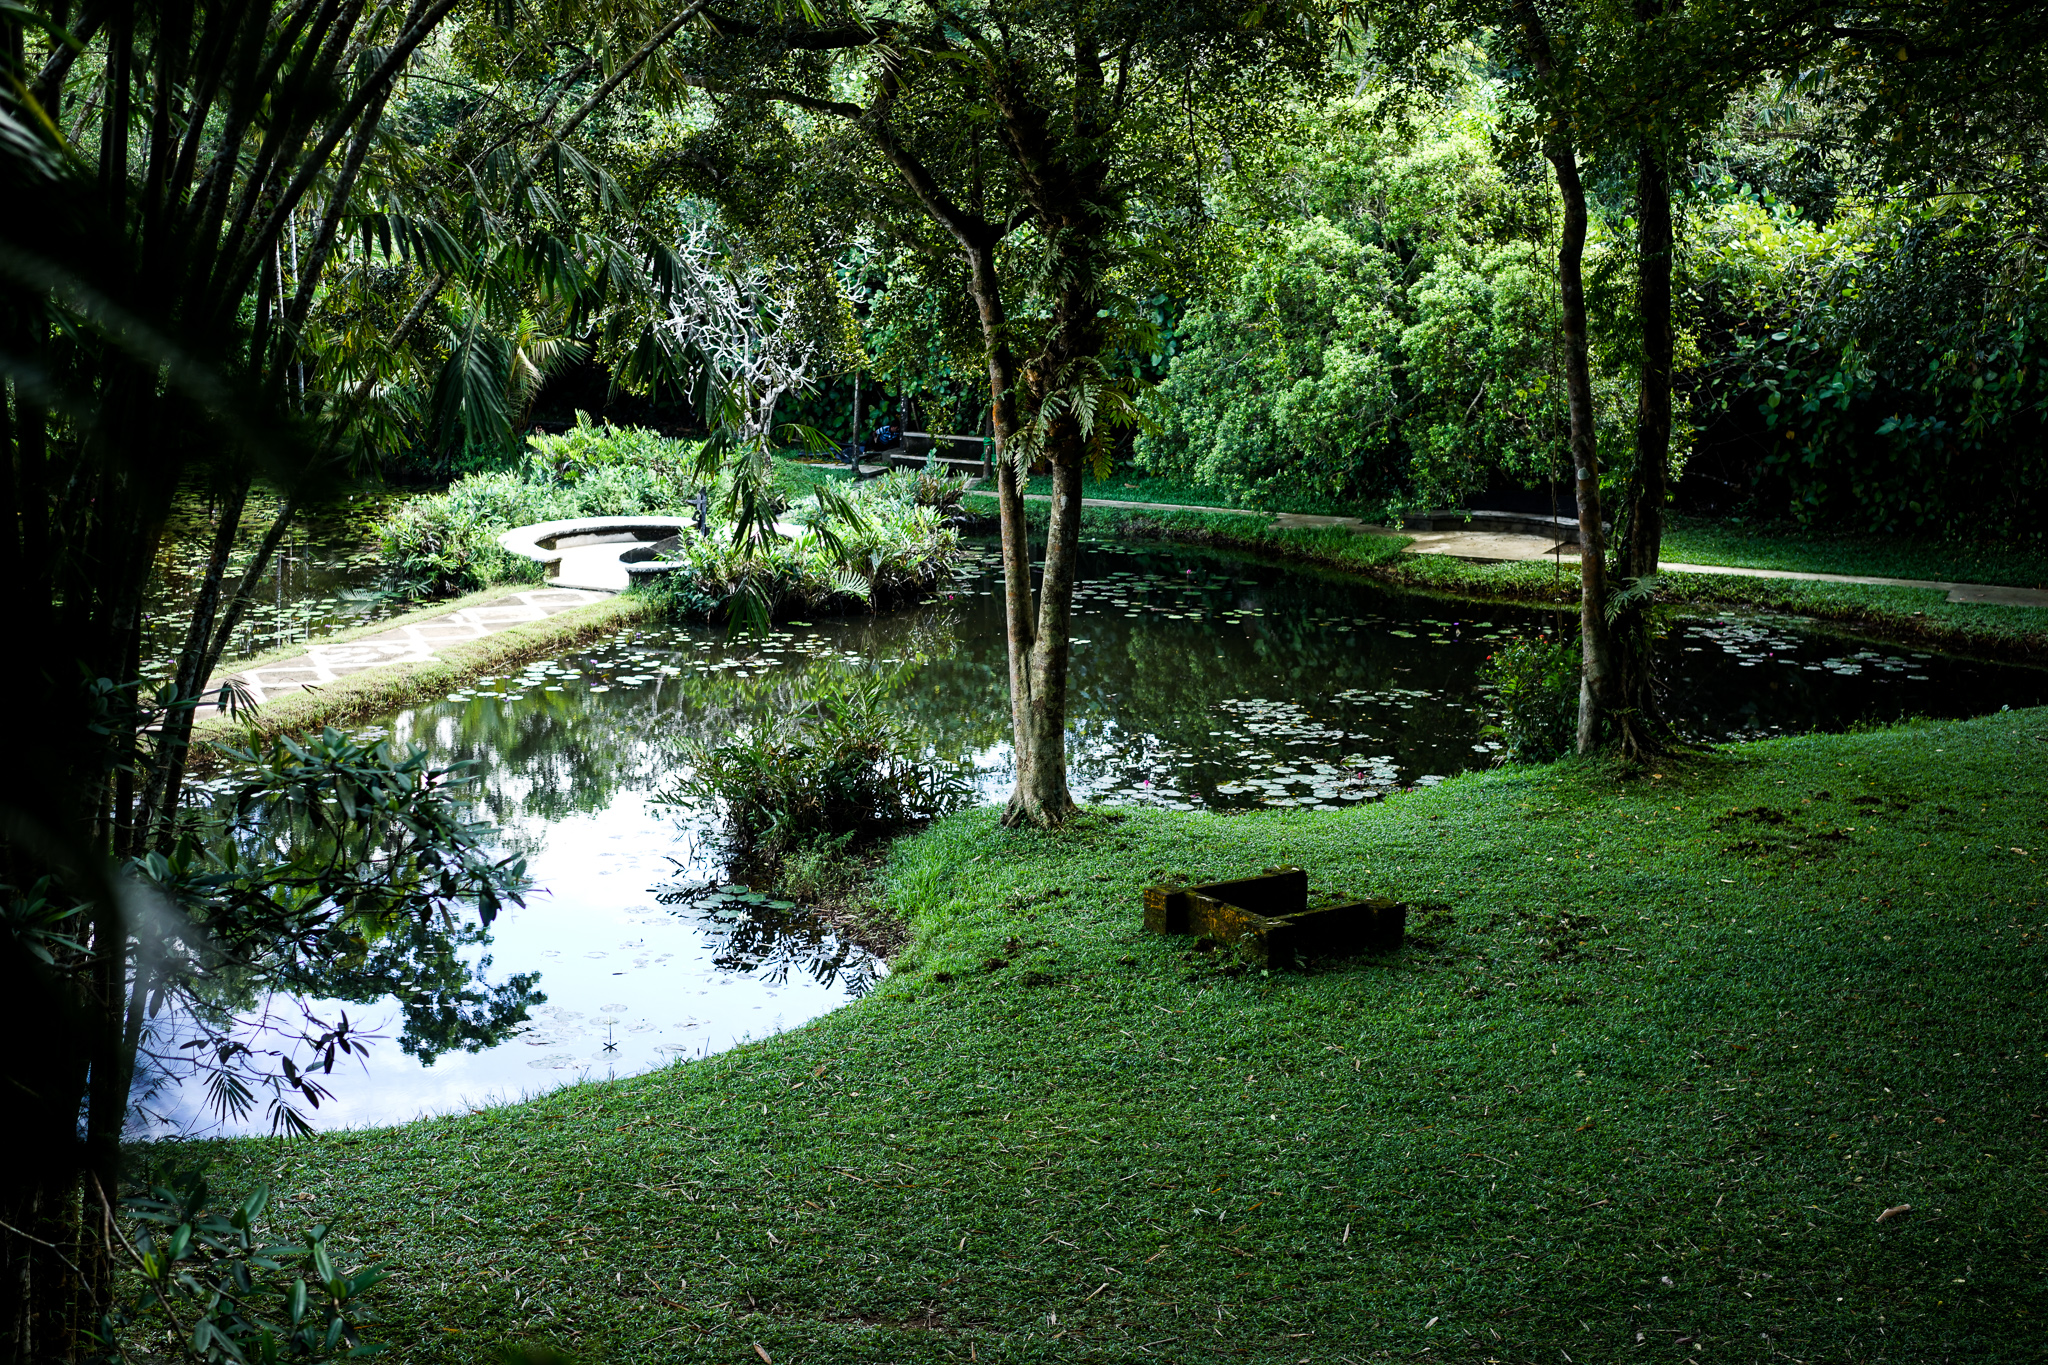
327	575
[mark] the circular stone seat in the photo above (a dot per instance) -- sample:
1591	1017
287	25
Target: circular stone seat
589	552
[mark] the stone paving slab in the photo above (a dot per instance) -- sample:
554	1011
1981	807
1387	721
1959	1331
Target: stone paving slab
324	663
1487	547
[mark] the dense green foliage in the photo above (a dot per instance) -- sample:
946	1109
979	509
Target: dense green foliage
236	1296
1653	1061
1535	686
843	768
1386	335
894	548
1390	335
447	543
1893	353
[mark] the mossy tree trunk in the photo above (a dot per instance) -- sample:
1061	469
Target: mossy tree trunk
1596	655
1638	721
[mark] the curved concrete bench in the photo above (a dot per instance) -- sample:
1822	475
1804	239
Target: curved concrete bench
584	552
589	552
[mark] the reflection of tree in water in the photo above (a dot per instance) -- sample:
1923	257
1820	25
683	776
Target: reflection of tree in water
766	939
446	1002
429	967
558	754
546	758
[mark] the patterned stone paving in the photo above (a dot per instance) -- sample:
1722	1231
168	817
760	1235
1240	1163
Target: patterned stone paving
324	663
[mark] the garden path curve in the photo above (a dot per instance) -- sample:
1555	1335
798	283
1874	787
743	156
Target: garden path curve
412	642
1493	547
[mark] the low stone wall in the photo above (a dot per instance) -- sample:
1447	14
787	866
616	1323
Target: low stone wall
1562	530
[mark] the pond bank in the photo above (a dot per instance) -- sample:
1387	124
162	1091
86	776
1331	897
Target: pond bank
1915	616
411	658
1655	1058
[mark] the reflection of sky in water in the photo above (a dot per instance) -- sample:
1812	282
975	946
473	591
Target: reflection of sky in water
617	968
1199	680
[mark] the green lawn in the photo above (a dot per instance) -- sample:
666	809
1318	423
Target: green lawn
1658	1054
1692	540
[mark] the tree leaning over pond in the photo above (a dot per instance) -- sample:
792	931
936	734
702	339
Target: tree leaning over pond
1058	151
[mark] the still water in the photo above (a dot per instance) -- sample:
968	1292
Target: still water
1200	680
327	575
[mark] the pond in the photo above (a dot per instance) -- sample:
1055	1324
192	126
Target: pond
328	573
1201	680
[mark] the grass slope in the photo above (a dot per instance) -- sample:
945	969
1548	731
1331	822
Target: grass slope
1638	1088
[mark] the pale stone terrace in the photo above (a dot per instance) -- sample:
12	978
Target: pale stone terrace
404	643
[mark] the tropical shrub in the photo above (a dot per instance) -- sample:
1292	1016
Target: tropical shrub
212	1280
933	487
841	768
1894	355
898	552
447	543
1535	686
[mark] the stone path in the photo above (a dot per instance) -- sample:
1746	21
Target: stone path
1993	593
324	663
1496	547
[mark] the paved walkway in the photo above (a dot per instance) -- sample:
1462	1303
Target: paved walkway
1996	594
1497	547
324	663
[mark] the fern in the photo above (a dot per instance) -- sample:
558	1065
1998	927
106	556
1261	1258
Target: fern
1634	593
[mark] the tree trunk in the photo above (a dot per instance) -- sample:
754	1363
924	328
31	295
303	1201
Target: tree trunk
1596	667
1039	712
1035	624
1596	664
1642	540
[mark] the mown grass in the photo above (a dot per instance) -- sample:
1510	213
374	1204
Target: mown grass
1695	540
1656	1057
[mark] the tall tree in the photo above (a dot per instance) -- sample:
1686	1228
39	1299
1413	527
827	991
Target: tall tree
1054	150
